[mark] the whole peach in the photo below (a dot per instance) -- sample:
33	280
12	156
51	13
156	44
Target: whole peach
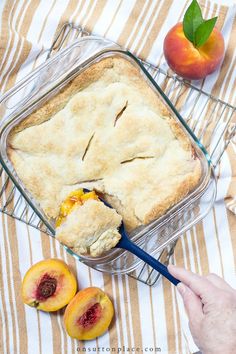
191	62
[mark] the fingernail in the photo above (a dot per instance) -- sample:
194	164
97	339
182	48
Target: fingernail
181	288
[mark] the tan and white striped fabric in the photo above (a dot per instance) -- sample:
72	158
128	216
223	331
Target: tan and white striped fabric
146	318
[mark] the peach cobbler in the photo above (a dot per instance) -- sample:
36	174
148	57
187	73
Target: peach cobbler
108	131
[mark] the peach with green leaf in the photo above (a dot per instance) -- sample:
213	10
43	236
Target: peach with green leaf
194	48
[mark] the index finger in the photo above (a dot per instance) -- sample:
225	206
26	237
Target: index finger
199	285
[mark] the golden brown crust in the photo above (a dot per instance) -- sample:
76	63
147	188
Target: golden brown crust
58	102
121	137
180	193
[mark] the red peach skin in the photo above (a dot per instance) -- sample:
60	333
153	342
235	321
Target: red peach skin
190	62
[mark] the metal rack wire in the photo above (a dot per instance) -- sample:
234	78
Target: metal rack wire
212	120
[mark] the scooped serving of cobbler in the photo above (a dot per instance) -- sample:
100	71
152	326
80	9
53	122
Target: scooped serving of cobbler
87	225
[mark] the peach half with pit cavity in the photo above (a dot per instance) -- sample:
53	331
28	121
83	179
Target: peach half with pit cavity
48	285
88	314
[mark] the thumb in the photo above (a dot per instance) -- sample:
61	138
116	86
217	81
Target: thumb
192	303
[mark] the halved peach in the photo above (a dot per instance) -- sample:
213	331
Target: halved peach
48	285
88	314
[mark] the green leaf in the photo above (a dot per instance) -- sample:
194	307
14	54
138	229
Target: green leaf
192	20
203	31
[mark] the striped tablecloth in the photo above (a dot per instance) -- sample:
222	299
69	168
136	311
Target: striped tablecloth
149	319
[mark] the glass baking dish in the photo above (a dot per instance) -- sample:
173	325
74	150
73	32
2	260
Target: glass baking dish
42	84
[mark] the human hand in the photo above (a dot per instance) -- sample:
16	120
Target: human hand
210	304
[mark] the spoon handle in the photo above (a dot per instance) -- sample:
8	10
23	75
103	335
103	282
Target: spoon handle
125	243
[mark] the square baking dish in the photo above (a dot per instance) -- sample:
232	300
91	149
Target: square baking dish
45	82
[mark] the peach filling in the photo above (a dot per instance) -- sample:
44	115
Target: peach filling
46	287
77	197
91	316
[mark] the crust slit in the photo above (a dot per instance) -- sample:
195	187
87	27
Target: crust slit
85	181
120	113
137	158
87	147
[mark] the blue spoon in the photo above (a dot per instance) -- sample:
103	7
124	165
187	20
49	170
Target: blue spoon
127	244
130	246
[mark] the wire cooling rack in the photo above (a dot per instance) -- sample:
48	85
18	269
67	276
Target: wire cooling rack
212	120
